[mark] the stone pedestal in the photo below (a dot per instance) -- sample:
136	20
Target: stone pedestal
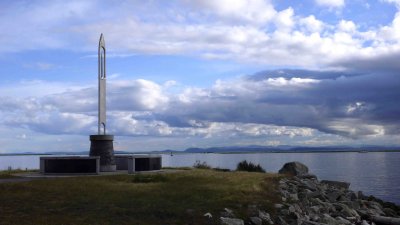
102	145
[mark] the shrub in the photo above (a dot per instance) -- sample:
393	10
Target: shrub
200	165
221	169
249	167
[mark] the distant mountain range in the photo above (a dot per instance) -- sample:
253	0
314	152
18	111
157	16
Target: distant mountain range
286	148
243	149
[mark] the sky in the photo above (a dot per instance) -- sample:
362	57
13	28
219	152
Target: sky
200	73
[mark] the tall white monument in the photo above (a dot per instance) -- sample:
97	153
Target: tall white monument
102	143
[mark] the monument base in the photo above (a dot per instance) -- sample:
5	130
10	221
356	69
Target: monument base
102	145
67	165
137	163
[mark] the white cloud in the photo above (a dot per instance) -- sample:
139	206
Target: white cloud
284	19
250	11
391	32
136	95
291	106
295	81
40	65
241	30
347	26
312	24
396	2
331	3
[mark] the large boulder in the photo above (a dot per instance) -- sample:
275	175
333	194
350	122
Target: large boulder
336	184
294	168
231	221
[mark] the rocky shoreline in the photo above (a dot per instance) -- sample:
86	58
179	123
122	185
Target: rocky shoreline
308	201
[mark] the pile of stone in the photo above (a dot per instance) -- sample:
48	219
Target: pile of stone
307	201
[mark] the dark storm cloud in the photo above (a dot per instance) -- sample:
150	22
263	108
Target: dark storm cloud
379	63
348	104
344	103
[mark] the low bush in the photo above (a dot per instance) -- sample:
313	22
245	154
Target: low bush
249	167
201	165
221	169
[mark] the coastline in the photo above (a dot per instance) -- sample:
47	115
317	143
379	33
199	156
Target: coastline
225	152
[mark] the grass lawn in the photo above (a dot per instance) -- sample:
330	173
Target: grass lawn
181	197
6	174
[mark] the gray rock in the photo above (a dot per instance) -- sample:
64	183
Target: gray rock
316	194
285	193
352	196
292	209
284	212
315	209
360	195
308	176
389	212
352	204
281	221
362	212
297	208
265	217
227	213
308	184
343	220
208	215
376	206
333	196
252	210
314	217
278	206
311	223
345	210
337	184
255	220
329	220
231	221
343	198
294	197
365	223
385	220
294	168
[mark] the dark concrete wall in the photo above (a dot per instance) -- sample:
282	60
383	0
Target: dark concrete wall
69	165
146	164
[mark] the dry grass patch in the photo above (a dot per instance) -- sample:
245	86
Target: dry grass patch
170	198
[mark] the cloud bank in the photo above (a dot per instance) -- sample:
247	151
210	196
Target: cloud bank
288	103
343	85
240	30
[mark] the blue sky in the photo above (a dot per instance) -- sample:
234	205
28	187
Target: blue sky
200	73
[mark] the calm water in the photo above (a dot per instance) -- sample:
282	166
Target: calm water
373	173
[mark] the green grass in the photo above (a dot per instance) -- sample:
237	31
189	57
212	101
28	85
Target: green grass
7	174
169	198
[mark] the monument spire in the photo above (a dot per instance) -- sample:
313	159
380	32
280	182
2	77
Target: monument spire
102	143
102	86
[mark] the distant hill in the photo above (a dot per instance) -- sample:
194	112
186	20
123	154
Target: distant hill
285	148
242	149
